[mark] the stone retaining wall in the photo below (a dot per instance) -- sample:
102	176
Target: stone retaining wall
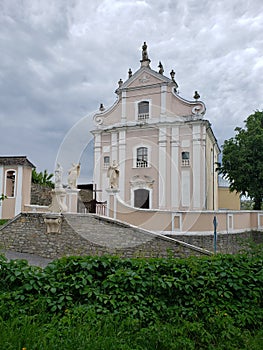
227	243
40	195
27	234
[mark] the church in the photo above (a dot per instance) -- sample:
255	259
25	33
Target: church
164	148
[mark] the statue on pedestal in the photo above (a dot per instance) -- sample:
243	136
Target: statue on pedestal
113	175
58	176
73	175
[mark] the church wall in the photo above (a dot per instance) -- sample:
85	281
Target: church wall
151	94
135	139
113	115
177	107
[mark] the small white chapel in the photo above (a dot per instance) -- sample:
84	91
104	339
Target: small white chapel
164	148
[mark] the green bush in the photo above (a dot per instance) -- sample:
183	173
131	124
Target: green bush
113	303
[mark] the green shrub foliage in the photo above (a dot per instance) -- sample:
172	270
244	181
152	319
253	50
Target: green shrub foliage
195	303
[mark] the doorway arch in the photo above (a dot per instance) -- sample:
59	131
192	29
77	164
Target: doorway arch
142	198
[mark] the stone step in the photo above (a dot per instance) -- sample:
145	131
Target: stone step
105	233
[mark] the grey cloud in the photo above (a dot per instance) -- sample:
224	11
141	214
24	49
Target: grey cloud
60	59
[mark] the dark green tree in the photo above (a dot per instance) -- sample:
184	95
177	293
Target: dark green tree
242	161
42	178
2	197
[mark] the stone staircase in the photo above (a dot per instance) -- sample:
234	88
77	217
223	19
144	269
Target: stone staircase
117	235
107	232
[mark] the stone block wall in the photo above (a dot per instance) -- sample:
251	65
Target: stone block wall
27	234
40	195
227	243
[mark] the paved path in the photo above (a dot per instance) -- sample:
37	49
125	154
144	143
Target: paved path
31	258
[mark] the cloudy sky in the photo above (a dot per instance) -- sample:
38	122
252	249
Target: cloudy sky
59	59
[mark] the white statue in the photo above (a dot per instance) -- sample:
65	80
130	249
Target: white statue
58	176
113	175
73	175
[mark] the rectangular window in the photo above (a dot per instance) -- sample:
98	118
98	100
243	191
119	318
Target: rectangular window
106	163
185	159
143	110
142	157
10	183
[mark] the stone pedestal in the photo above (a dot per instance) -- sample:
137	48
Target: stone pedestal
53	222
58	204
72	199
112	202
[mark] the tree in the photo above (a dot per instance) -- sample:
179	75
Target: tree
242	161
2	197
42	178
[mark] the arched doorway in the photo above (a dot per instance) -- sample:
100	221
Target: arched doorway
141	198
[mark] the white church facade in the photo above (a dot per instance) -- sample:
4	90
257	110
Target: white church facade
165	150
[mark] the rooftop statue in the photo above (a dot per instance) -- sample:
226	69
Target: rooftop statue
145	59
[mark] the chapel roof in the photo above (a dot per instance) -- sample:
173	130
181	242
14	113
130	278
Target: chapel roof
16	160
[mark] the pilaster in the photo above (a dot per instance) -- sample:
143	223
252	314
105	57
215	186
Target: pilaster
123	107
162	167
163	99
19	193
175	188
1	187
97	160
114	146
122	159
198	168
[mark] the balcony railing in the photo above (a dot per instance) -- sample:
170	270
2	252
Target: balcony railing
143	116
142	164
185	162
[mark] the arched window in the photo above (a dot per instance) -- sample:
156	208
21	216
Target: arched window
143	110
142	157
10	183
141	198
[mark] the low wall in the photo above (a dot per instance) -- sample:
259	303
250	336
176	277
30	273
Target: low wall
227	243
185	222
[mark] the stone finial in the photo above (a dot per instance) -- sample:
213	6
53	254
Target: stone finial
120	82
130	73
161	70
196	95
102	108
172	74
145	61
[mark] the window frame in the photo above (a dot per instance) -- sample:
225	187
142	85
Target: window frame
135	161
106	164
13	194
185	160
137	103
